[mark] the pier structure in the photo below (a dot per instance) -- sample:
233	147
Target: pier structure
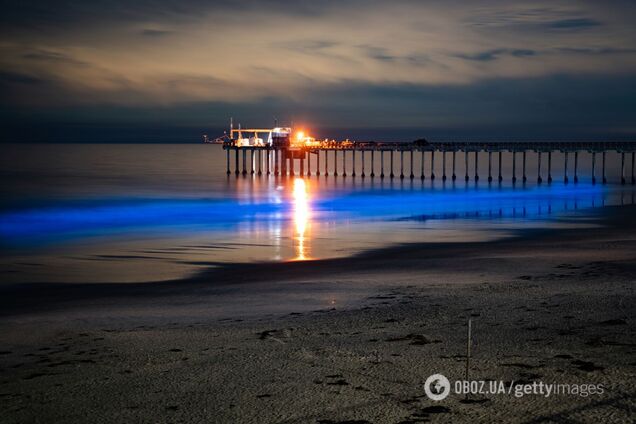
280	160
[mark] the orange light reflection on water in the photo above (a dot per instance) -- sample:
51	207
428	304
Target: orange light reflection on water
301	219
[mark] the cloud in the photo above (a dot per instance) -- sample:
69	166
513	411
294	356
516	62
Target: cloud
573	24
488	55
147	32
155	52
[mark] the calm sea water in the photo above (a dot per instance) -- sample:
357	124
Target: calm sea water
126	212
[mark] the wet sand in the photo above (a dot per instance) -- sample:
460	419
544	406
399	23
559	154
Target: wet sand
343	340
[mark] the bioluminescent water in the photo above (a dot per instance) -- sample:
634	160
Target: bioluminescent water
154	212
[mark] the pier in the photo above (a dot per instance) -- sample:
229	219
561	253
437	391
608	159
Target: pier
280	160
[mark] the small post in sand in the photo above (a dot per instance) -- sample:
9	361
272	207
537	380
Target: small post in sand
468	350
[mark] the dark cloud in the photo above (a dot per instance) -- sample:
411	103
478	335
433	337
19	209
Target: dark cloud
488	55
12	78
310	46
378	53
155	33
573	24
53	57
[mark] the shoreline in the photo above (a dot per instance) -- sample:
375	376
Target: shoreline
27	298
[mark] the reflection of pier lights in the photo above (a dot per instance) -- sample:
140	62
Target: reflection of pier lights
301	217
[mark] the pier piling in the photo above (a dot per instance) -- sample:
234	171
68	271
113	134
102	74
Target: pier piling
623	168
344	163
372	163
524	178
353	161
466	178
326	163
381	163
604	177
500	176
362	175
335	163
236	162
576	165
391	157
412	175
261	162
443	165
476	166
633	179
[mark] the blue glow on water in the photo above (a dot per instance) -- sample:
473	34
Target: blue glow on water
66	220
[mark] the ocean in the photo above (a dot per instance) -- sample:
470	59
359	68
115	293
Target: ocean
153	212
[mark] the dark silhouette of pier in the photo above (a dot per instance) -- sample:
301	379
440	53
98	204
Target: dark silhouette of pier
280	160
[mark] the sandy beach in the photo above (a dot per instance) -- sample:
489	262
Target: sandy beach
347	340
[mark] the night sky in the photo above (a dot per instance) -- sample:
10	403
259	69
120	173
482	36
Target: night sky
392	69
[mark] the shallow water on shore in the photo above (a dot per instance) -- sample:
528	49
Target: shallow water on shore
155	212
